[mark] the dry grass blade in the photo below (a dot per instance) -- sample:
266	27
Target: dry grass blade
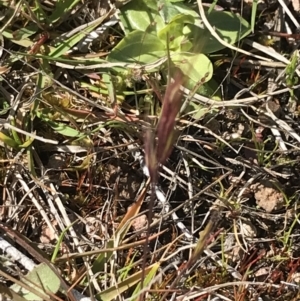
200	246
121	231
159	147
165	131
119	248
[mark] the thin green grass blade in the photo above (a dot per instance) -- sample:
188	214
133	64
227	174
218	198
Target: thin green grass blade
8	141
39	12
124	272
149	277
59	242
62	7
115	291
253	14
31	162
212	6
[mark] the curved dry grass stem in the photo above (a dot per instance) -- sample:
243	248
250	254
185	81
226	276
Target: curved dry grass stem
236	102
218	38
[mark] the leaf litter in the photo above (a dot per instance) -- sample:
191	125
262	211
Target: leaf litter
220	145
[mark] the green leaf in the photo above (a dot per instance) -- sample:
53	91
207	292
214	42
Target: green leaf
141	15
174	31
152	15
60	128
27	143
197	69
195	66
138	47
41	279
25	32
230	27
15	135
64	129
8	141
168	9
208	89
23	42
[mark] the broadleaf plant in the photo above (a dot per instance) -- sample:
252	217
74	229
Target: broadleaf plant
154	28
